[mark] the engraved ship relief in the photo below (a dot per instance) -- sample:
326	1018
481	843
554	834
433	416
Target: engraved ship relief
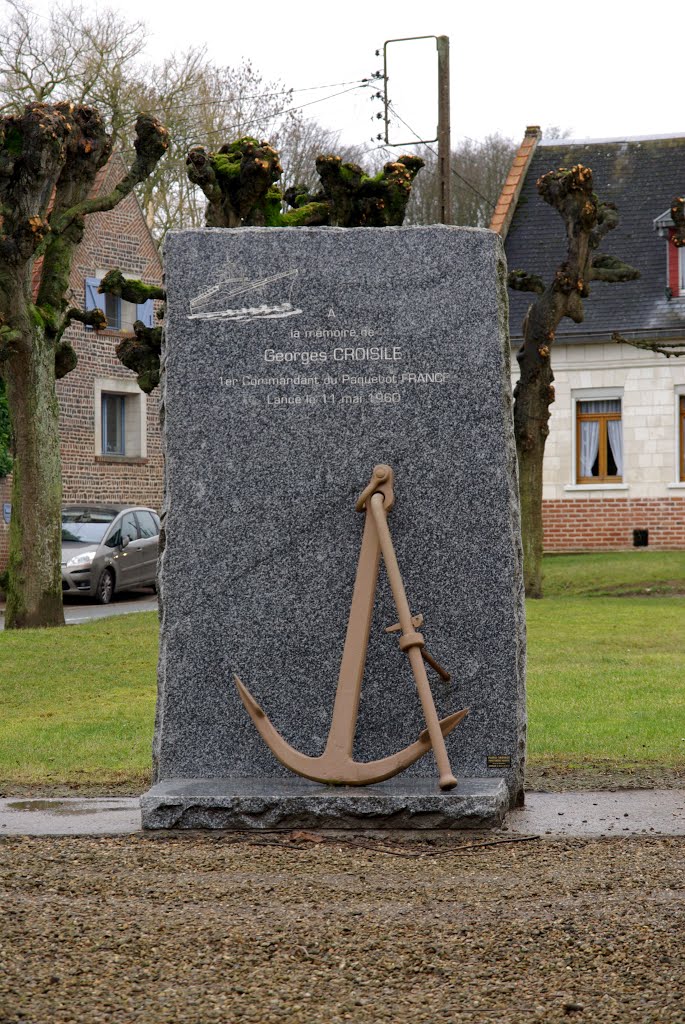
230	288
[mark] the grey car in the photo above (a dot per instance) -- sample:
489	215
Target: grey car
107	548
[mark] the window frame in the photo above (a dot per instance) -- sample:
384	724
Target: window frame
611	394
135	404
104	395
113	317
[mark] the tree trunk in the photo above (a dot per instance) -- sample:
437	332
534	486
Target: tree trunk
533	395
34	597
530	462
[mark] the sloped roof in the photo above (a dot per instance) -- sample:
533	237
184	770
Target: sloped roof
640	176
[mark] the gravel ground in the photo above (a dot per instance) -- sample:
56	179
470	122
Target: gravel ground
562	777
556	776
219	929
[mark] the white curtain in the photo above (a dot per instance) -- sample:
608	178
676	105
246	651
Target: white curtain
616	444
604	405
589	446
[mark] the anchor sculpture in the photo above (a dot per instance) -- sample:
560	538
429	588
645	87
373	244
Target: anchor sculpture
336	765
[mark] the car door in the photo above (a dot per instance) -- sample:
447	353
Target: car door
130	554
149	542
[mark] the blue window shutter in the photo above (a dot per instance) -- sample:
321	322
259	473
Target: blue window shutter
94	300
145	311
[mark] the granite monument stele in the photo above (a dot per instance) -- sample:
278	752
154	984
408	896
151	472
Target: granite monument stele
296	360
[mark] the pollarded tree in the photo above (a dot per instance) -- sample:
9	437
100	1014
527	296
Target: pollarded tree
239	183
95	57
49	157
587	221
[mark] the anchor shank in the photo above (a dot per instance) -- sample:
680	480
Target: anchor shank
346	706
414	644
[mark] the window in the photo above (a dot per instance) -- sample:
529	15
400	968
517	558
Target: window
129	528
113	424
599	441
120	419
113	311
120	314
147	523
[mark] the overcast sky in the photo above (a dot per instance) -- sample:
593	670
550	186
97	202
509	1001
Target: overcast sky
594	69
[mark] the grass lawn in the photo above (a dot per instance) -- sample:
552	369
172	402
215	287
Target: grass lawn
605	679
615	573
77	704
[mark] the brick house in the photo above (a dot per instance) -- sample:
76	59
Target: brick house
109	430
614	472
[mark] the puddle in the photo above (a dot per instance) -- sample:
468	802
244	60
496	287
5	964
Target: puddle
60	807
69	816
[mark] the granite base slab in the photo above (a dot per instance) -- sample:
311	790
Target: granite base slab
269	803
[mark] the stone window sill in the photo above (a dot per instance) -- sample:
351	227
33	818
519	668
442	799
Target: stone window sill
126	460
597	487
678	485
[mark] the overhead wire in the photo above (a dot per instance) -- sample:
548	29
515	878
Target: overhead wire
185	141
456	173
217	101
276	114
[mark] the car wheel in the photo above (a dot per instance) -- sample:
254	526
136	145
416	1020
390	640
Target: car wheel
105	587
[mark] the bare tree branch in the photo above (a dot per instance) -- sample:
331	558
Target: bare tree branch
678	216
664	348
522	281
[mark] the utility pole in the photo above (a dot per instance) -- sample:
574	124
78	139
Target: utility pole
444	142
443	132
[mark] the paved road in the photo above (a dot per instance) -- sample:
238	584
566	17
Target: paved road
84	611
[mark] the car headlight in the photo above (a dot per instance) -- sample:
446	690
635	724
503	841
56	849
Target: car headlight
85	558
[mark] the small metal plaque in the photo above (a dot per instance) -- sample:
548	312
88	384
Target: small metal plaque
6	511
499	761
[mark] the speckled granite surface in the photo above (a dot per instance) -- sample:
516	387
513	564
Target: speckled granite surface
400	803
406	362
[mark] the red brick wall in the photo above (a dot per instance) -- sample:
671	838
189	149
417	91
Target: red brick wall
606	524
120	239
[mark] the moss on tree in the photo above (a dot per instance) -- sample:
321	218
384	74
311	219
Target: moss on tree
239	182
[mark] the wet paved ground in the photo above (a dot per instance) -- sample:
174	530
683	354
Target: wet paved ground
84	611
622	813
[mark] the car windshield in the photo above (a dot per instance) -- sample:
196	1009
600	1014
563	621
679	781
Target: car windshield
85	527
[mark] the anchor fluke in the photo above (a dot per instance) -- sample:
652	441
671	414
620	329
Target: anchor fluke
446	724
254	709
